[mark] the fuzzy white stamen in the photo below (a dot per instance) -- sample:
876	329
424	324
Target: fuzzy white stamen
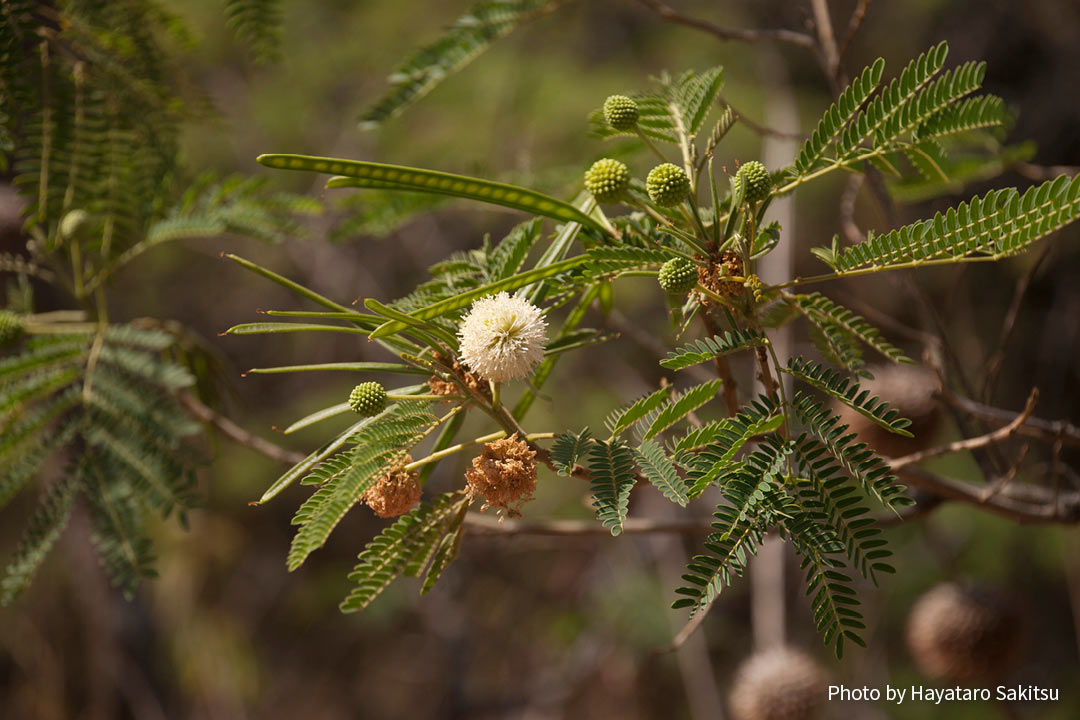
502	337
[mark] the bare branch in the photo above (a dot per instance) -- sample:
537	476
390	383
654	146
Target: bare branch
1025	504
758	128
483	525
236	433
993	365
1045	172
1048	430
857	17
787	36
997	436
826	38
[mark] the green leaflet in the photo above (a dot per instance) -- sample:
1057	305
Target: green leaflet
359	174
828	497
838	116
859	460
283	327
257	23
343	366
43	530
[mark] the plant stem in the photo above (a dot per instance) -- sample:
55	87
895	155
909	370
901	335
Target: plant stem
454	449
649	144
880	268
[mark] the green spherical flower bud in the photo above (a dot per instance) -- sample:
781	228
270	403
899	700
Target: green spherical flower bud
755	181
607	179
74	223
678	276
368	399
667	185
621	112
11	327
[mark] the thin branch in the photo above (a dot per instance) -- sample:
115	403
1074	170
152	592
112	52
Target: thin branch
758	128
688	629
1025	504
484	525
993	365
236	433
1039	173
1048	430
854	23
779	35
826	38
991	438
998	485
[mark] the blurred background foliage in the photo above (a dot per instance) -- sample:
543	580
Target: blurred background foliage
522	626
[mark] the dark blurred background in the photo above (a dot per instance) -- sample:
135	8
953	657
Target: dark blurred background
524	626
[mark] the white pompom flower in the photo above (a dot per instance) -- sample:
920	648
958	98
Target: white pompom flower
502	337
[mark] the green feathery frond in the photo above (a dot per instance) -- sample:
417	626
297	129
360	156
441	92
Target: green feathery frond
707	349
679	406
857	458
612	466
568	449
1000	224
624	418
725	439
833	600
834	318
106	397
833	383
43	530
739	529
344	478
829	498
469	36
661	472
257	23
389	553
838	116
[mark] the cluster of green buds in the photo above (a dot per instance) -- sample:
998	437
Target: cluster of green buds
668	186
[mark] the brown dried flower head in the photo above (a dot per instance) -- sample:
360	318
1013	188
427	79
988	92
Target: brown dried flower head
504	474
780	683
396	492
965	634
714	276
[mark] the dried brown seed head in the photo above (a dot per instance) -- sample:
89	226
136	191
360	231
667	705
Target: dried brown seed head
504	474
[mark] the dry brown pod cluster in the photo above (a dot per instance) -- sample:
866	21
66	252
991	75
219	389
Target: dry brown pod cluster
966	634
780	683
